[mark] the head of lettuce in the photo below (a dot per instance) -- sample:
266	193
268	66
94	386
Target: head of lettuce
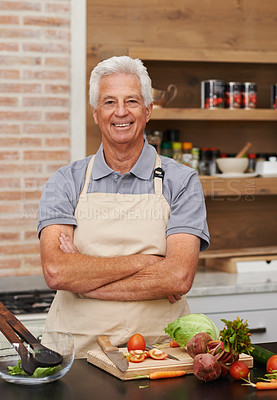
184	328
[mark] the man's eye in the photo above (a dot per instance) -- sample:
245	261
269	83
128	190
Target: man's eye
132	101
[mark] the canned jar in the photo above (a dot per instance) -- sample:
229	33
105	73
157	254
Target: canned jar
212	93
249	95
233	95
195	158
274	96
187	153
177	152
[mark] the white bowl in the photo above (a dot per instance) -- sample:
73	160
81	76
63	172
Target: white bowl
231	165
57	341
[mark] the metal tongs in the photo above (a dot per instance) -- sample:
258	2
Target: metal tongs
17	334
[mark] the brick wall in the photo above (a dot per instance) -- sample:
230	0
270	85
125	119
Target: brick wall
34	120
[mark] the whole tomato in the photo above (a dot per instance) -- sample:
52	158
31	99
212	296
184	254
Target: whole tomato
271	364
239	370
136	342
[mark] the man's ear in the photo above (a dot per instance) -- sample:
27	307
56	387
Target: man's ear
94	114
149	112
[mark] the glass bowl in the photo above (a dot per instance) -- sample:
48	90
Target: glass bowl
58	341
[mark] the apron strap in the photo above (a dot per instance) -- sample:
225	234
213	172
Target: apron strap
87	177
158	176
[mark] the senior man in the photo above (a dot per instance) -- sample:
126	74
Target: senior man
121	230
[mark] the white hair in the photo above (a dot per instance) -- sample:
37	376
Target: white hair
120	65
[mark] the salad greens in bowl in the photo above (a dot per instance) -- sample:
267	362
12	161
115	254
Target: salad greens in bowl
10	362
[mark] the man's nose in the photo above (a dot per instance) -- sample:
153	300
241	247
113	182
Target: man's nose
121	108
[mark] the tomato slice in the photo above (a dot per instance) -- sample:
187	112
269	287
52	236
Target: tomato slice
137	356
157	354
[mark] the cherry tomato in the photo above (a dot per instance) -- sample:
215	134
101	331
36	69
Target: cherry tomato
137	356
157	354
271	364
173	343
136	342
239	370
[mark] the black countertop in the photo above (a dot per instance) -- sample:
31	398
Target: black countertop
84	381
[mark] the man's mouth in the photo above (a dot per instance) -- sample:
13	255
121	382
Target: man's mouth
123	125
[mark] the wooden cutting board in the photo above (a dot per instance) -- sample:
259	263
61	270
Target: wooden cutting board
99	359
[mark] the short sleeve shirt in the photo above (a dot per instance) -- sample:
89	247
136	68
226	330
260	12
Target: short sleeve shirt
181	188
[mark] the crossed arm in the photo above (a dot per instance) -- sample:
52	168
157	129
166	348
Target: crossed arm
123	278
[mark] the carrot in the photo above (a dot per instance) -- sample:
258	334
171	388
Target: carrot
173	343
166	374
266	385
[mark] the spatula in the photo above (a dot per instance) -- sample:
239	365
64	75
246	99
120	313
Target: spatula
16	333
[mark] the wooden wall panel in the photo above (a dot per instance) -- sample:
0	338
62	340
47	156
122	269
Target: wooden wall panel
232	24
242	221
205	24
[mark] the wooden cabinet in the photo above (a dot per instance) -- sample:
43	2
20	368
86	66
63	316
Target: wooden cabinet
242	213
258	309
183	43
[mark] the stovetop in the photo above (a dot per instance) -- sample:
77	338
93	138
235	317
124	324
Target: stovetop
31	302
26	295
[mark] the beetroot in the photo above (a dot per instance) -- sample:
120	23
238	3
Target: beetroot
198	344
224	370
206	367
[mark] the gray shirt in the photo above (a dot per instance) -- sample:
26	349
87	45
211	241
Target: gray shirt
181	189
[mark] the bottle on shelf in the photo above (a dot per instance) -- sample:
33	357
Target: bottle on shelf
214	154
177	152
172	135
204	161
155	138
252	162
187	153
166	149
195	158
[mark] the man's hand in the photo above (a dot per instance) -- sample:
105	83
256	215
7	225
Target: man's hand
174	298
66	244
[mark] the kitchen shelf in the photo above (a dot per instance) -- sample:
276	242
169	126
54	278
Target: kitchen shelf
194	55
241	252
253	186
223	114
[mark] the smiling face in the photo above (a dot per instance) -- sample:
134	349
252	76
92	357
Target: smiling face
121	113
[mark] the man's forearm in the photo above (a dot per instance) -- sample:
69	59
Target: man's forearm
81	273
93	272
153	282
170	277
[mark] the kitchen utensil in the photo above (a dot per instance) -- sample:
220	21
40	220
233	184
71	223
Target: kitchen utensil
116	356
232	165
243	150
149	347
61	342
163	97
15	332
267	168
99	359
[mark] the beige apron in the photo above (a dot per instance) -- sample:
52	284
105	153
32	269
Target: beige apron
113	224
